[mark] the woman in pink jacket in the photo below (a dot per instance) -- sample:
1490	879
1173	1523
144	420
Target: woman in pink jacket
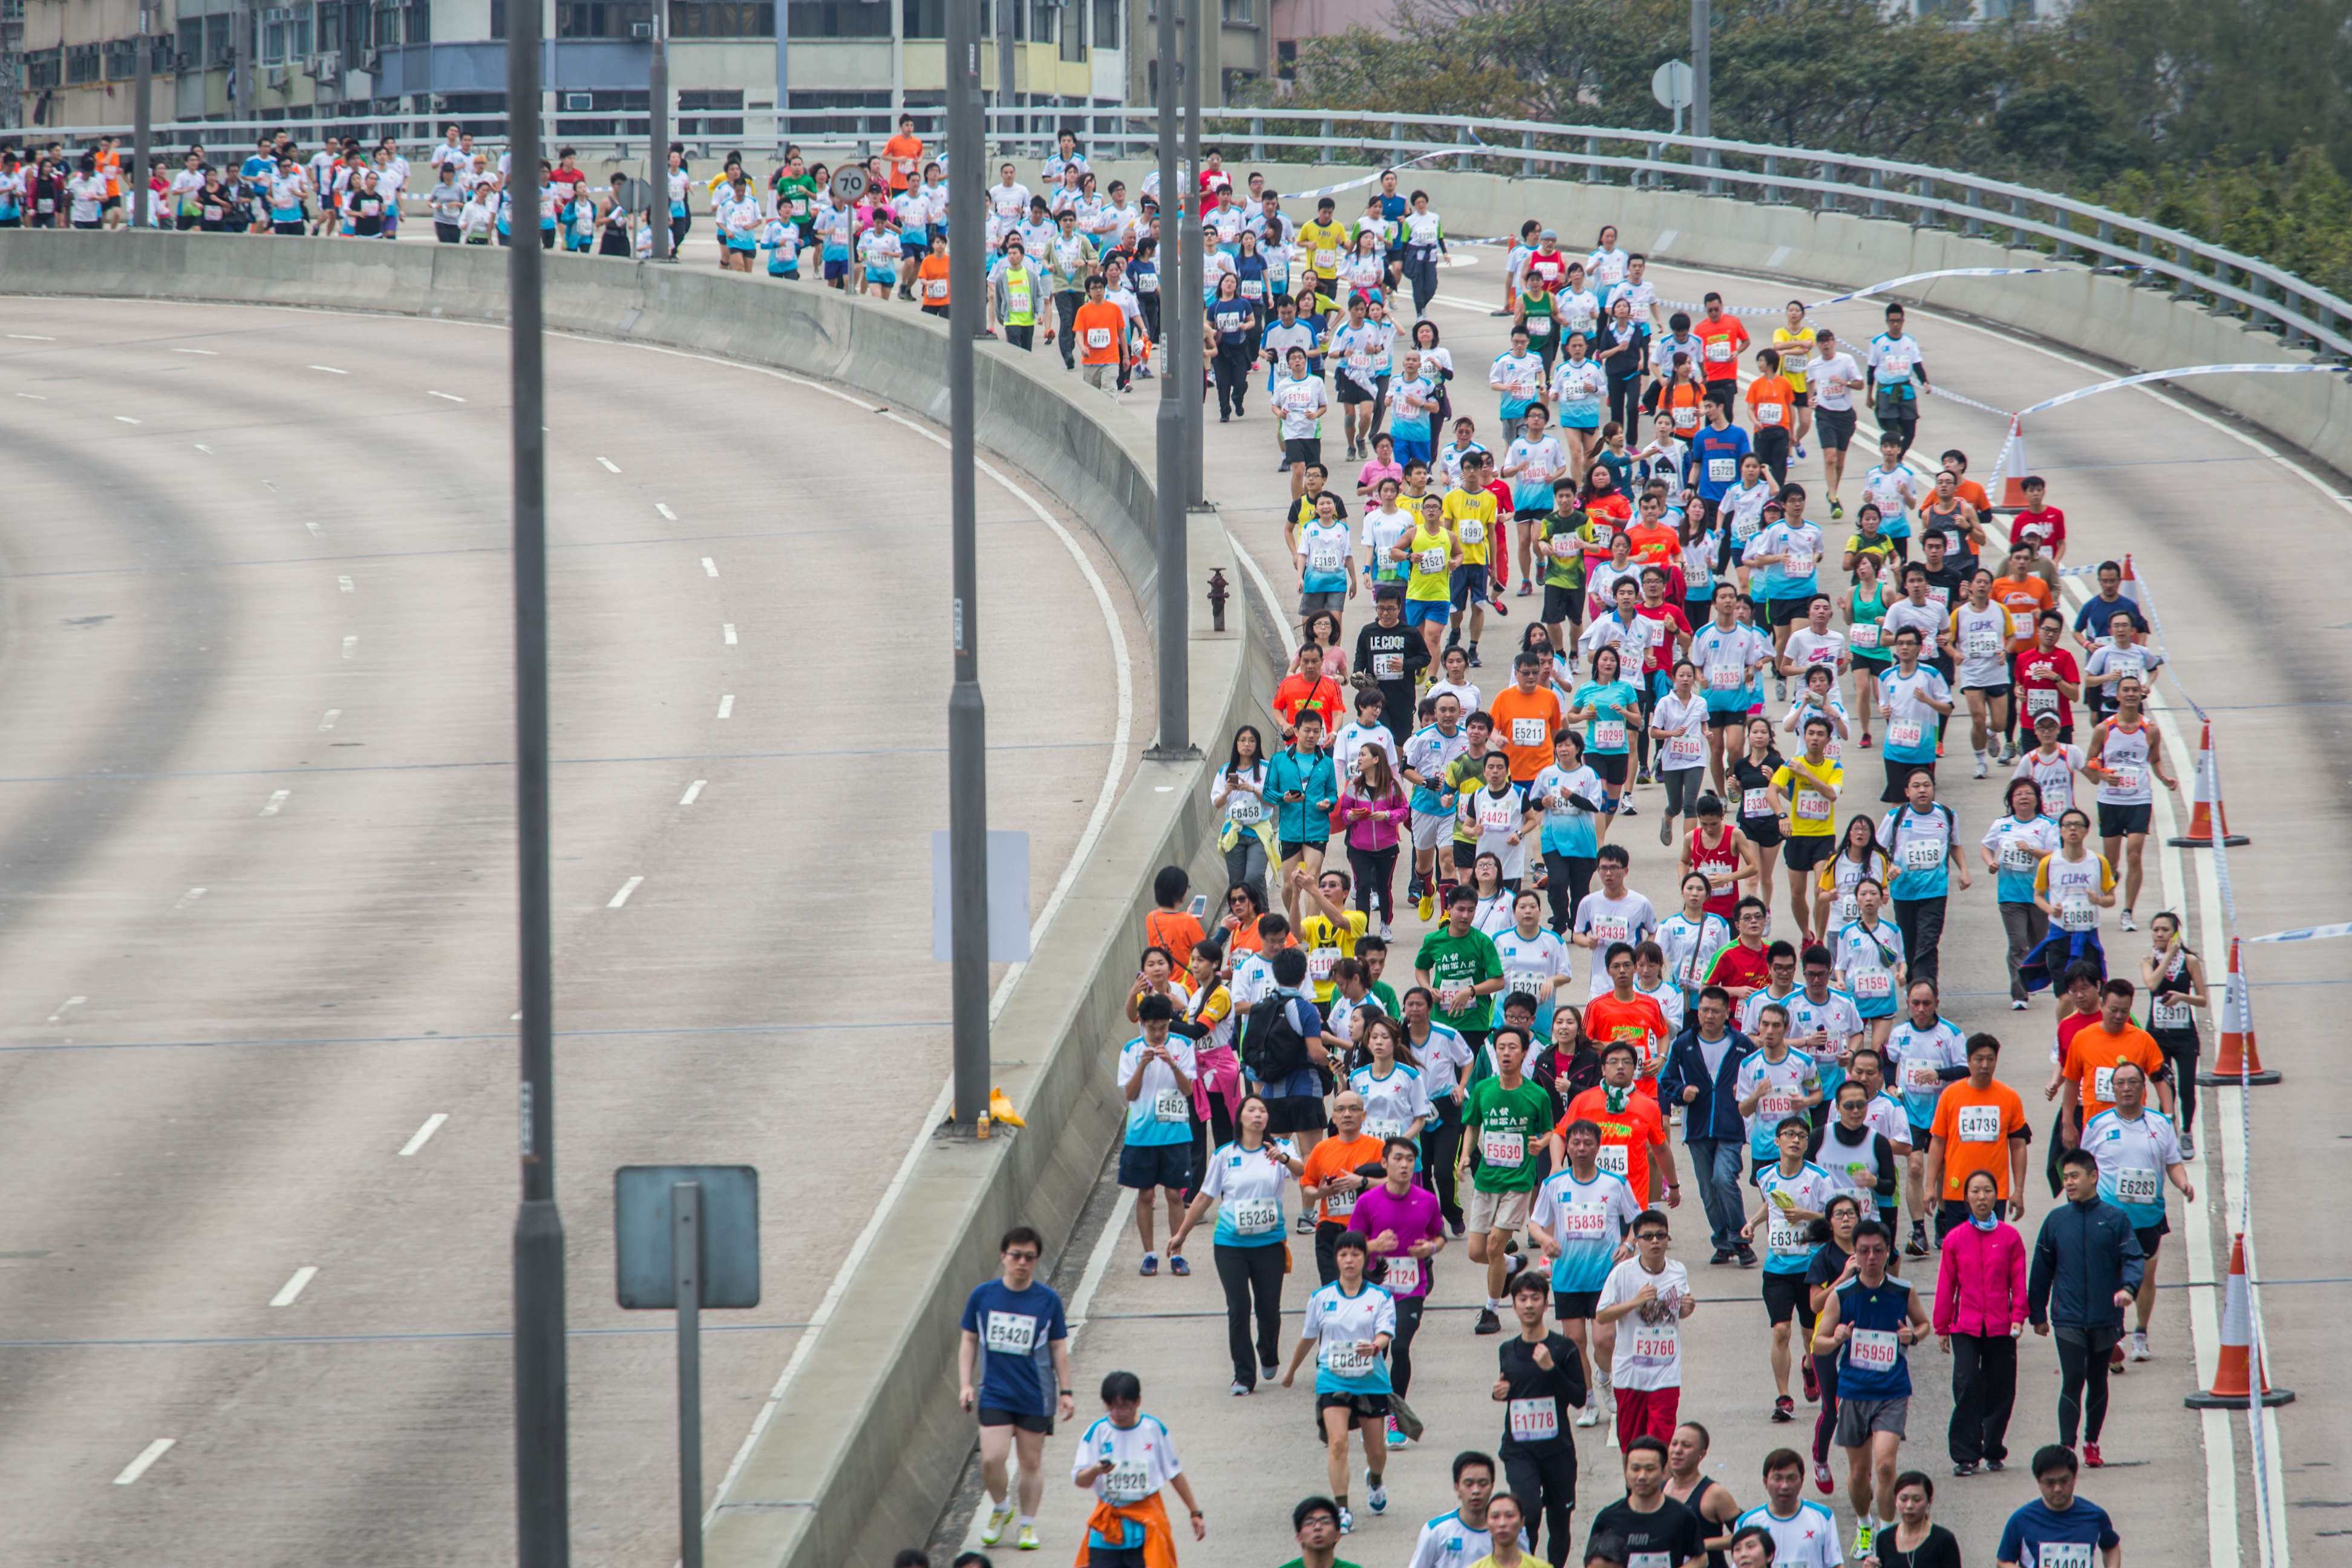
1980	1313
1373	809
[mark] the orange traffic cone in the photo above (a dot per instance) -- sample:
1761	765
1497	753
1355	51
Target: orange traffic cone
2238	1060
2205	813
2013	467
2238	1371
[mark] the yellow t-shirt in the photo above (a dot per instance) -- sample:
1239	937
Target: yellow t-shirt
1432	576
1472	518
1796	350
1325	244
1327	942
1812	814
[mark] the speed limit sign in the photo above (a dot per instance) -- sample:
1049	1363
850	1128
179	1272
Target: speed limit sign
848	184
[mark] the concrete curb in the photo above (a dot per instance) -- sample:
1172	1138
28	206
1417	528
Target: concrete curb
862	1452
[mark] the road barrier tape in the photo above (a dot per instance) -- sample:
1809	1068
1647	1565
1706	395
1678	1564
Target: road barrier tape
2306	934
1881	287
2266	367
1373	178
1951	396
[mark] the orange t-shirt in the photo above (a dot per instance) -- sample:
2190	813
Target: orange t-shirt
110	164
1974	494
1656	544
2093	1054
1175	929
1525	723
933	273
1769	400
1332	1158
1627	1136
1682	402
2025	599
1976	1128
1099	325
1719	345
906	156
1641	1021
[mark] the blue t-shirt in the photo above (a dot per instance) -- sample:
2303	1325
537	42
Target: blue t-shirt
1871	1364
1589	1220
2038	1525
1920	844
1715	459
1233	320
1618	703
1017	1330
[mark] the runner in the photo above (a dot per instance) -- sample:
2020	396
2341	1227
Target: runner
1459	1537
1832	1266
1540	1380
1921	837
1406	1232
1245	1179
1980	1313
1796	1191
1582	1215
2137	1152
1702	1078
1014	1333
1895	371
2058	1528
1316	1525
2124	750
1803	1534
1979	1125
1709	1500
2015	849
1978	633
1349	1326
1611	916
1156	1071
1506	1115
1125	1458
1926	1052
1333	1178
1650	1294
1804	797
1869	1320
2174	979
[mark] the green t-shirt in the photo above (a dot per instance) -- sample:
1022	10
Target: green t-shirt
1336	1563
1494	1115
797	193
1568	573
1387	999
1467	959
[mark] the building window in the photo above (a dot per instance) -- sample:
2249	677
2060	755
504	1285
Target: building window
926	19
1042	18
601	18
692	123
419	24
1107	20
191	39
840	19
82	64
285	34
721	19
43	67
1286	59
846	123
1239	11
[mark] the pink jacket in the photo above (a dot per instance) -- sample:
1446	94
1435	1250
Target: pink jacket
1372	823
1980	1283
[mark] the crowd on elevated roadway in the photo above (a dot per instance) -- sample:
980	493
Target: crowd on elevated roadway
1714	641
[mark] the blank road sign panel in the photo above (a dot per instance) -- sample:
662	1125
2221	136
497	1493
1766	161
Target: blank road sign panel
644	1259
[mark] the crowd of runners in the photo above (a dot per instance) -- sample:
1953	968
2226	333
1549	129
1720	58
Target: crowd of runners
1584	1026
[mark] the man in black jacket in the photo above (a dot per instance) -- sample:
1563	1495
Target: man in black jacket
1698	1076
2086	1269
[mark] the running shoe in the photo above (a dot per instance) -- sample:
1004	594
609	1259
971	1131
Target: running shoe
1427	910
1396	1440
1967	1469
1269	1375
1821	1482
1812	1382
1642	777
1177	1265
1800	451
1387	931
1865	740
1475	662
2127	922
1150	1265
1488	1323
2115	1360
998	1518
1241	1390
1996	1466
1346	1521
1627	808
1722	1254
1667	835
2093	1458
1028	1542
1837	510
2188	1146
2017	1005
1305	1225
1784	1408
1591	1415
1500	608
1982	766
1917	1246
1525	587
1864	1534
1747	1255
2140	1351
1377	1500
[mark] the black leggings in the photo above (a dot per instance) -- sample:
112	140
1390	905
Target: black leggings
1245	1271
1149	304
1441	1145
2180	1048
1408	1316
1984	1391
1233	373
1375	873
1825	1421
1208	1137
1544	1481
1921	922
2082	1380
1566	878
1625	401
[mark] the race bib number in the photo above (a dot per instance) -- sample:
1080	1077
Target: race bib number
1922	854
1800	564
1608	734
1722	470
1387	667
1404	1274
1608	930
1503	1148
1327	262
1246	809
1772	1108
1873	1349
1495	818
1756	803
1097	337
1904	732
1431	561
1320	961
1983	641
1768	413
1010	1333
1527	731
1170	1105
1535	1420
1346	1358
2040	701
1254	1216
2136	1185
2171	1013
1338	1205
2103	1085
2128	778
1874	985
1920	1077
1786	1236
1865	635
1324	563
2019	855
1252	288
2062	1554
1126	1484
1657	1344
1686	420
1526	980
1718	351
1474	530
1811	807
1588	1222
213	214
1685	751
1383	1127
1979	1123
1722	677
2077	914
1615	1159
1538	326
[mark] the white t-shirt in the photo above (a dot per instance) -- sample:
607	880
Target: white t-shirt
1142	1458
1611	920
1300	402
1649	1339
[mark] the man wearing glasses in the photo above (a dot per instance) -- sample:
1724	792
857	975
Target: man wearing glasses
1017	1342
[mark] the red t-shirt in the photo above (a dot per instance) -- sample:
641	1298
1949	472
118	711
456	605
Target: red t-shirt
1663	650
1740	965
2073	1024
1501	558
1640	1022
1721	345
2044	530
1627	1136
2040	670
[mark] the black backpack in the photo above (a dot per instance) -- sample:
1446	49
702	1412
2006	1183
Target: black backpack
1271	1049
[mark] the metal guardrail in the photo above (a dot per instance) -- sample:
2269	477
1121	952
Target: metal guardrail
2302	314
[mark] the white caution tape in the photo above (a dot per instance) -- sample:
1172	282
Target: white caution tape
1970	403
1880	289
1373	178
2263	368
2305	933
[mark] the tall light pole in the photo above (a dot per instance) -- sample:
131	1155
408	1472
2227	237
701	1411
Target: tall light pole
143	122
657	131
1173	474
1003	12
542	1460
1190	312
967	714
1702	30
